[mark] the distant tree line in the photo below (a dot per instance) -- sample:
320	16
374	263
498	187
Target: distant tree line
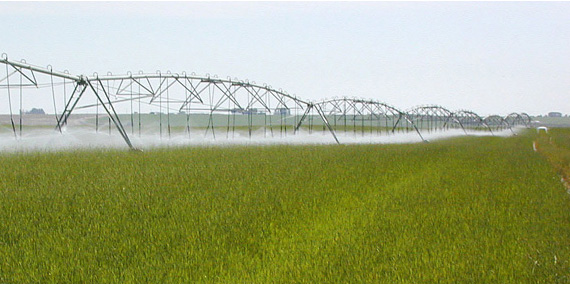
35	111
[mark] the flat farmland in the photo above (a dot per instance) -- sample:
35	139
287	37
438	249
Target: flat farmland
469	209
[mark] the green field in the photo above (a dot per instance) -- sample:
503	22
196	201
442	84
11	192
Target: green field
467	210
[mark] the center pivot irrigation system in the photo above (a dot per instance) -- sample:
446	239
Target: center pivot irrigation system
168	103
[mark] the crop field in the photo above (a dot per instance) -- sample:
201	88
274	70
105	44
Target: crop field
461	210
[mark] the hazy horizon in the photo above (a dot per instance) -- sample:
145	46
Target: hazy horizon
488	57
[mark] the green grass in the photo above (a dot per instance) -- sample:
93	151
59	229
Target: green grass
483	210
555	146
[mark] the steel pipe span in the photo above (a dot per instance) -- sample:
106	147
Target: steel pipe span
346	114
167	103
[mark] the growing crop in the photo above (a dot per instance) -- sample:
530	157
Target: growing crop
484	210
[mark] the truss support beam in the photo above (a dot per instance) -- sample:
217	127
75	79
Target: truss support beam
111	113
70	105
307	110
326	121
39	70
405	116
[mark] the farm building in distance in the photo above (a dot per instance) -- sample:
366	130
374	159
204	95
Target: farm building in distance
36	111
554	114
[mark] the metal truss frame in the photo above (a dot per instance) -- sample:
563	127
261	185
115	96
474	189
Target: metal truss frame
498	122
169	92
518	119
354	109
435	117
469	119
182	93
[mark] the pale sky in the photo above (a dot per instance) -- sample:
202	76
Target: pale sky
488	57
